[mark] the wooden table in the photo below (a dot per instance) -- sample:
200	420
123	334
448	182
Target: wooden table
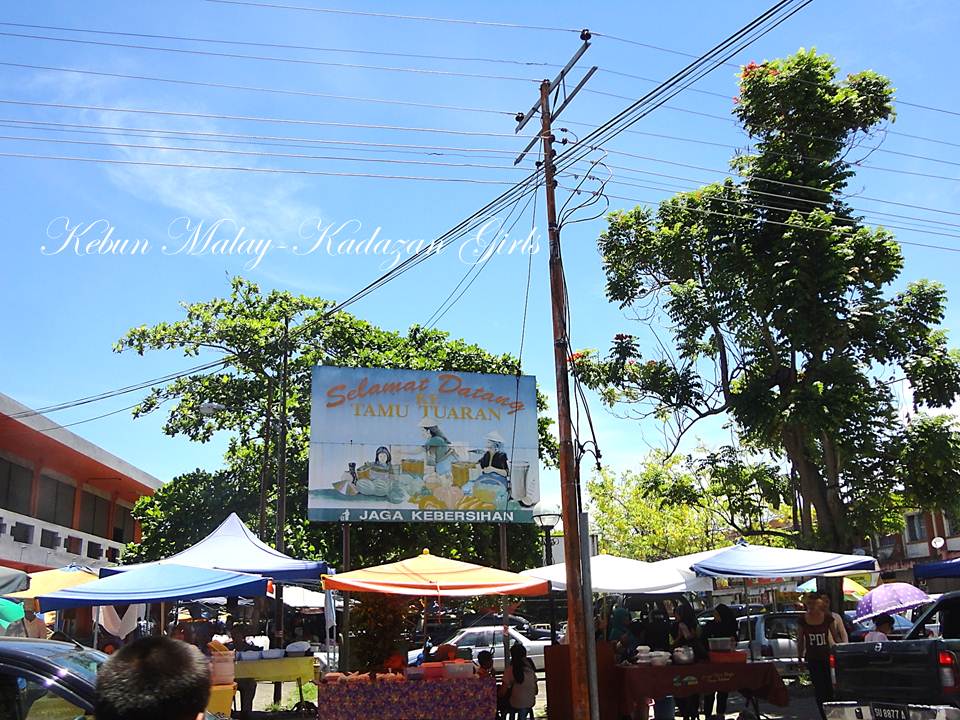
636	683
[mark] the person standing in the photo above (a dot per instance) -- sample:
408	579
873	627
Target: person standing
815	638
520	683
839	628
687	634
723	625
30	625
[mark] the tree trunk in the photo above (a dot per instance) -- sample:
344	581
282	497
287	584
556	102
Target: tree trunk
831	524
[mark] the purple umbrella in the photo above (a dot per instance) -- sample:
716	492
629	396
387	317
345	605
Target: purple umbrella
890	598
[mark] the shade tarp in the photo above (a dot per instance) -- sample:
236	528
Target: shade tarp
612	574
428	574
758	561
50	581
941	569
684	563
12	580
232	546
298	597
159	582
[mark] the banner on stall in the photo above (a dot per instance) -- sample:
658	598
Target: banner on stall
412	446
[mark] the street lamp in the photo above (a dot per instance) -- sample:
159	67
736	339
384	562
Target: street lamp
547	521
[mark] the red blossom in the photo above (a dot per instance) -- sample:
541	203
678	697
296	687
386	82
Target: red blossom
651	363
576	356
736	100
773	72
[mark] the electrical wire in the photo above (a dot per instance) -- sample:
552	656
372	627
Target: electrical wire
249	118
267	58
393	16
285	46
254	88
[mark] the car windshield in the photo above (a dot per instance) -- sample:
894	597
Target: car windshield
83	663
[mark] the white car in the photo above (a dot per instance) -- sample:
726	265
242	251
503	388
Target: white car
478	639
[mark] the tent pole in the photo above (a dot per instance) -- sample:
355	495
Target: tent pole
503	598
552	605
586	587
345	645
96	627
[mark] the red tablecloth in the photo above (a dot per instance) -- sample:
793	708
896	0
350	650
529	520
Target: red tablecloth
638	682
445	699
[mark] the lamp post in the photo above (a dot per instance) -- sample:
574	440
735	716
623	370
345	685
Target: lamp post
547	521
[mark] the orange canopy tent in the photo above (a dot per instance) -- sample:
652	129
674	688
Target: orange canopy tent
428	574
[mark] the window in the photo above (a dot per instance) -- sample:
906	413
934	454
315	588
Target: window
94	514
24	696
16	483
475	639
49	539
122	525
951	524
916	528
781	628
747	632
55	501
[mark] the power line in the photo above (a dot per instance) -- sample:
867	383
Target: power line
250	118
257	153
267	170
286	46
267	58
254	88
774	222
393	16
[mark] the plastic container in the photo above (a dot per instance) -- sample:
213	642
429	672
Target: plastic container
734	656
221	668
274	653
721	644
458	669
432	670
414	673
250	654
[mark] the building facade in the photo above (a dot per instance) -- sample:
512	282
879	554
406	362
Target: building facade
62	499
898	553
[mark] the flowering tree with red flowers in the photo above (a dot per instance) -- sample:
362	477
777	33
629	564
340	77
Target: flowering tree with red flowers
779	303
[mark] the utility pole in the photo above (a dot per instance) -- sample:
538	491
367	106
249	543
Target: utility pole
569	486
281	489
265	470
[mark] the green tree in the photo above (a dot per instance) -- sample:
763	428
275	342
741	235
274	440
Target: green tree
634	523
780	303
248	330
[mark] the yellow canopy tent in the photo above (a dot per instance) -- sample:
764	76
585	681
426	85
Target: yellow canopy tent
428	574
50	581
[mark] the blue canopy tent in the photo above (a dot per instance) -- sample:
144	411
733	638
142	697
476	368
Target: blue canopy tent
232	546
158	582
941	569
758	561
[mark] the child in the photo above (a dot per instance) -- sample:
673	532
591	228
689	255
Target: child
883	626
485	663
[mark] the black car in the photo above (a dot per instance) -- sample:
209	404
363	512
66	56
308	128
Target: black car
46	678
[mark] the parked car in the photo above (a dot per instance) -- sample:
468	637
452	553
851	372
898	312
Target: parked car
917	677
857	631
48	679
480	638
45	678
522	625
772	636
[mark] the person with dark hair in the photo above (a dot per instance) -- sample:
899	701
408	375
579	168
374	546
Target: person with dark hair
723	625
485	663
815	638
687	634
153	678
520	683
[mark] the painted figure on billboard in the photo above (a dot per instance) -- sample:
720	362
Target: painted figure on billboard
440	449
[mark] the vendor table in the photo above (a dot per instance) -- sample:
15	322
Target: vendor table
441	699
755	680
286	669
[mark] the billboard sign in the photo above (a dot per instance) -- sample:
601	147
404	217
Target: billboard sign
412	446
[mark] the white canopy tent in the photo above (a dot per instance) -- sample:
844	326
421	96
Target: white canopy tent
611	574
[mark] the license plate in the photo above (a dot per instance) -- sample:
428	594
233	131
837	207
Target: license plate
889	712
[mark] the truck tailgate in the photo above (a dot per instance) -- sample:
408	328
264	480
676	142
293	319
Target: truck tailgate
905	671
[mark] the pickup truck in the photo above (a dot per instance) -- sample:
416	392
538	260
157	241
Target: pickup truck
911	679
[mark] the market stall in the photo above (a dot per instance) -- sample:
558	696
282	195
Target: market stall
12	580
442	691
617	575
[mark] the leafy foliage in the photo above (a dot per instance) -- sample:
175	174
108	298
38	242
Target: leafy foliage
633	522
777	297
247	328
376	622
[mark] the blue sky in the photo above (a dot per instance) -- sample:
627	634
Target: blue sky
63	311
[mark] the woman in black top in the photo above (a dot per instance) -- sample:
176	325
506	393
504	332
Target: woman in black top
723	625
